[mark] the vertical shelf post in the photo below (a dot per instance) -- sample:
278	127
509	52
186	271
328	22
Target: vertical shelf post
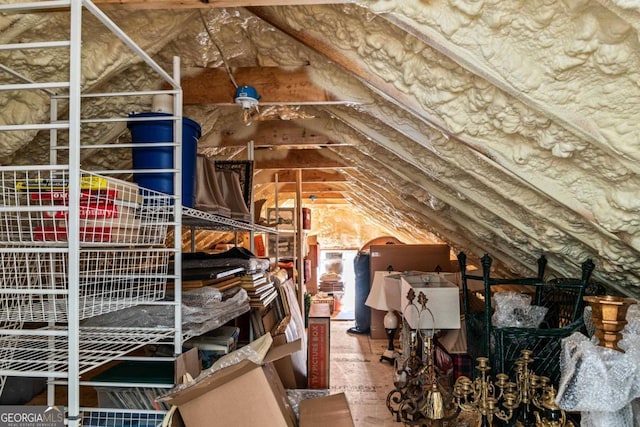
252	244
299	247
177	211
73	231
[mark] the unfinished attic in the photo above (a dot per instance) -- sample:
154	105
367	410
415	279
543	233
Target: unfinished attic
500	132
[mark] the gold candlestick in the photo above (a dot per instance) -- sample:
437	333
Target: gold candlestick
609	315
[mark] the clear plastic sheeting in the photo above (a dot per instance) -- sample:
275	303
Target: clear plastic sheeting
514	309
201	297
254	352
603	384
298	395
196	319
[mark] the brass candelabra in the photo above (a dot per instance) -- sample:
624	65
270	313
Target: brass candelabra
418	399
528	401
484	397
529	388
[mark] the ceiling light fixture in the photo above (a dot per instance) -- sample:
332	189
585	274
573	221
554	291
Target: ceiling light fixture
248	97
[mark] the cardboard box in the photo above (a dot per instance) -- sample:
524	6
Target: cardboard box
332	410
287	332
244	394
288	359
323	299
405	258
318	340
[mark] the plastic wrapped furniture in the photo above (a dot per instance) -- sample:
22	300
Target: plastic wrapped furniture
600	382
563	299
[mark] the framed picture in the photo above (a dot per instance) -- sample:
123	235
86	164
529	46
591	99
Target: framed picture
244	168
285	219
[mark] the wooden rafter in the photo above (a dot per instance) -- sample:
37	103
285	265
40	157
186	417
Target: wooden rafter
308	175
297	159
316	194
313	187
206	4
275	133
273	84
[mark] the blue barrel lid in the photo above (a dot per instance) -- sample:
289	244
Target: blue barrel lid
185	121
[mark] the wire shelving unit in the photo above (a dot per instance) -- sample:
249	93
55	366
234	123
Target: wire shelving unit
75	244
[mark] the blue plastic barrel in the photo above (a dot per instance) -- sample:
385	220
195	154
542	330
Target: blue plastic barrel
162	157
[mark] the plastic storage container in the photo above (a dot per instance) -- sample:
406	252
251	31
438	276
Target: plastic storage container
162	157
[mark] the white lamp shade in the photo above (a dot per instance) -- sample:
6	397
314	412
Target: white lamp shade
443	301
392	288
377	298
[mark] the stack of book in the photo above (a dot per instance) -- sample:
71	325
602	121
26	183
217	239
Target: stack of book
221	278
331	282
260	289
331	287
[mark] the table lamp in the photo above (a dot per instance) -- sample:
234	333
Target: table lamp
377	299
443	301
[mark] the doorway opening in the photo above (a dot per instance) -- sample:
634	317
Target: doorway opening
338	264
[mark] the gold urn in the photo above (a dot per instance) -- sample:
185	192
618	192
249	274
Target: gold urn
609	315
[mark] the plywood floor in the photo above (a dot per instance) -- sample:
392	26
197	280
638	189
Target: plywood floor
357	371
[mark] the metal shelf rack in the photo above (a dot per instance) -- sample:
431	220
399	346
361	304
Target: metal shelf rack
122	417
43	352
59	267
62	264
200	219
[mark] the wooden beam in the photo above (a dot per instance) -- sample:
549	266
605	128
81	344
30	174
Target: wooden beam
267	176
313	188
207	4
274	85
312	203
275	133
316	194
297	159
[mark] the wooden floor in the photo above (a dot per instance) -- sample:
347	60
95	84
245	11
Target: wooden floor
357	371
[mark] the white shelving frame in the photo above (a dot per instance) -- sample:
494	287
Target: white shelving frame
59	353
66	352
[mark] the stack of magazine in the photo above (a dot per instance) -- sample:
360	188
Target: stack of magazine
215	344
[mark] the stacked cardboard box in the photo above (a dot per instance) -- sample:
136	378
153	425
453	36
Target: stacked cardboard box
323	298
250	394
318	346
